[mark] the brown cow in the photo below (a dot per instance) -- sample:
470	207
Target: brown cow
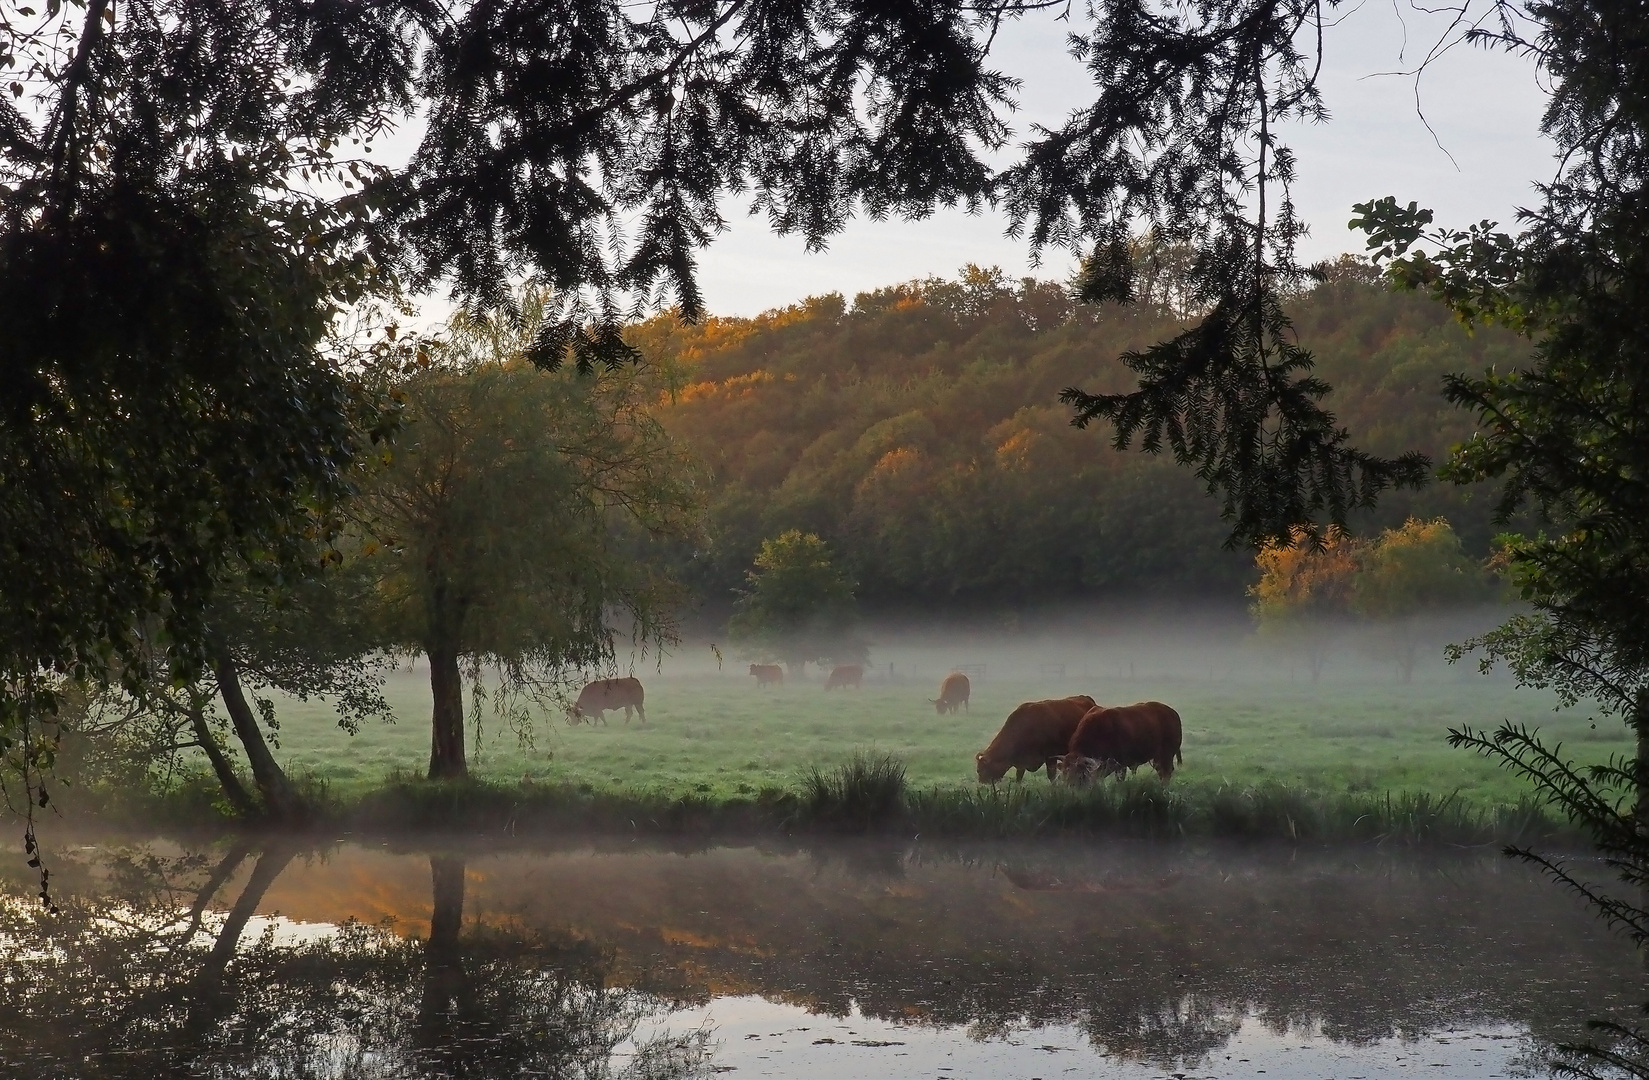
1032	737
952	692
606	694
1118	740
767	673
846	675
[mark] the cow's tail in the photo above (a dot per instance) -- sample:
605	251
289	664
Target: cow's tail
1179	758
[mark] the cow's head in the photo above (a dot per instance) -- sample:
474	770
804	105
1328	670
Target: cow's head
1077	770
753	668
575	715
989	771
940	705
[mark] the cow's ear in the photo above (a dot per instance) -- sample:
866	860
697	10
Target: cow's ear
979	756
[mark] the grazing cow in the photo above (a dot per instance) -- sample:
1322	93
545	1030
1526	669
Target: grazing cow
952	692
767	673
1032	737
846	675
605	694
1118	740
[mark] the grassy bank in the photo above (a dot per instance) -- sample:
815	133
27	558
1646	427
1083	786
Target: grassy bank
870	794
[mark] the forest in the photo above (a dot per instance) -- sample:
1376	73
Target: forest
918	431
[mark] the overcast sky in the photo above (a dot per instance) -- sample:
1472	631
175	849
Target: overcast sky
1484	107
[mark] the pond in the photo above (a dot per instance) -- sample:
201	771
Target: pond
606	959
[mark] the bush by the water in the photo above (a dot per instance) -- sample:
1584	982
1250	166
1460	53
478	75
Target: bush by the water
865	791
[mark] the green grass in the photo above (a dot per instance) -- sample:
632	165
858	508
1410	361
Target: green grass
718	737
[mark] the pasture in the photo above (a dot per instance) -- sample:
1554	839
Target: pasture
718	735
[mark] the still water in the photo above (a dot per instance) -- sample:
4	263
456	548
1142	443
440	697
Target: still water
943	962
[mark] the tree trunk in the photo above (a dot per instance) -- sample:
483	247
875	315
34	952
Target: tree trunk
233	789
280	801
221	873
442	1012
264	872
446	743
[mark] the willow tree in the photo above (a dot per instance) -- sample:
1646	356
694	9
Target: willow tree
513	517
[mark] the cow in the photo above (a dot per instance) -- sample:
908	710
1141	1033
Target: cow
952	692
767	673
1034	736
846	675
603	695
1118	740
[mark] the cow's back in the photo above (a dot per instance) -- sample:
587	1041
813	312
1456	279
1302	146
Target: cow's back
1037	731
605	694
1130	735
845	675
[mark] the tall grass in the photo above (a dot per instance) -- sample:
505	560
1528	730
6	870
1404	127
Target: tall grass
866	791
1142	807
871	792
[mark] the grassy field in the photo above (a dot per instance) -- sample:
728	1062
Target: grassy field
718	736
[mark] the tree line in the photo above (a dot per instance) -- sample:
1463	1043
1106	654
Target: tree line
917	431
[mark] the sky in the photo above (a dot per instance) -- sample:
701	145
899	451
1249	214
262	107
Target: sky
1488	152
1479	160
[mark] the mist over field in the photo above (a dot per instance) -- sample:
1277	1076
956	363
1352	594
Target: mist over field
1251	711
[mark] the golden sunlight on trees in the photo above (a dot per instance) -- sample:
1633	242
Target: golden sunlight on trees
1307	594
1411	571
1303	592
915	429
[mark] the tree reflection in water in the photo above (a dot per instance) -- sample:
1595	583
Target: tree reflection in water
134	978
1158	955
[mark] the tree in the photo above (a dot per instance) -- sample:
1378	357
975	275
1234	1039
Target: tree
799	606
1304	593
501	518
310	638
1566	432
184	212
1409	572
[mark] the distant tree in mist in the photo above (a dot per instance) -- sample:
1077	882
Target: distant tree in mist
798	606
1304	593
507	517
1409	572
1309	593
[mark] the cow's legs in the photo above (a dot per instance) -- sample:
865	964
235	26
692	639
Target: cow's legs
626	714
641	712
1019	774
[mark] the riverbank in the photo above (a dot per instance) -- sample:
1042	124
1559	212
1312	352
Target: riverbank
870	795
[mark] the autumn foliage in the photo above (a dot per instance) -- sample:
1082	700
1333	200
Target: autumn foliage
917	431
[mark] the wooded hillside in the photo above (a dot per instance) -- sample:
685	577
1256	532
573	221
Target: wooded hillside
918	431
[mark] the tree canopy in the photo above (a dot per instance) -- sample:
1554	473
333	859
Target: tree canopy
799	604
499	520
916	430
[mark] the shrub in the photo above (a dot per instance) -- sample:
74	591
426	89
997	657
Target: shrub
865	791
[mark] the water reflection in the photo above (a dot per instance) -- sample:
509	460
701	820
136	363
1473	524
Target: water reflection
602	963
129	980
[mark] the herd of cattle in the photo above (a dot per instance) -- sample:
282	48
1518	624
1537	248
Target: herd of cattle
1073	738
